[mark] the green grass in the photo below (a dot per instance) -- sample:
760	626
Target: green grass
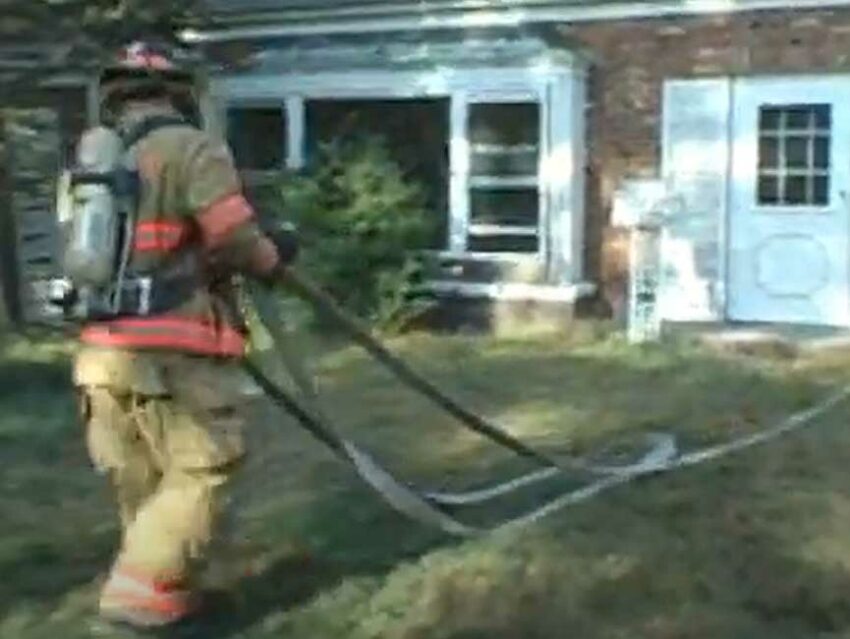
755	545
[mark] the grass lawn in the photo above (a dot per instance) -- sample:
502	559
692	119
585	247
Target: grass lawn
755	545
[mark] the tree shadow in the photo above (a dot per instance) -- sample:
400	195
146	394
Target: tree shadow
719	521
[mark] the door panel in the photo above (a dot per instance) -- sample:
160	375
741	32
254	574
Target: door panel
788	218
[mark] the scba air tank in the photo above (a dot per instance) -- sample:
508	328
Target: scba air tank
95	225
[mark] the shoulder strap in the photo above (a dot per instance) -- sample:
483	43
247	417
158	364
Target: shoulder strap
148	126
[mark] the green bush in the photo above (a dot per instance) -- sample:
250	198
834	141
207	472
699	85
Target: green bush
361	221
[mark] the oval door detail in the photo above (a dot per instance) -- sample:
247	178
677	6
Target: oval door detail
792	265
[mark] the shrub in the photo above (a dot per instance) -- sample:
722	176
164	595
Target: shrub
361	221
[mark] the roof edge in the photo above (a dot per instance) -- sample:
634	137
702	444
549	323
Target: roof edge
458	15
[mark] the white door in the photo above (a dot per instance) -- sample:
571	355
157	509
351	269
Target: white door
789	224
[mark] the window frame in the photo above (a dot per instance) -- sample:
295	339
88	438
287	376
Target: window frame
463	229
554	86
780	171
254	175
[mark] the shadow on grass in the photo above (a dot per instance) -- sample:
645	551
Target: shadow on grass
341	532
45	569
718	551
22	379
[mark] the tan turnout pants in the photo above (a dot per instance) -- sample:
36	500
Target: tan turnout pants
167	429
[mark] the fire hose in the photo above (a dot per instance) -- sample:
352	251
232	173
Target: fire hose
434	508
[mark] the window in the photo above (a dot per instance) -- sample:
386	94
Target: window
794	155
257	137
504	202
421	151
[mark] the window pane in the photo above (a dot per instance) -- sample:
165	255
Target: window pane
795	190
799	117
511	207
821	152
503	244
769	120
821	190
516	161
504	124
257	137
823	116
504	143
797	152
768	190
794	155
768	153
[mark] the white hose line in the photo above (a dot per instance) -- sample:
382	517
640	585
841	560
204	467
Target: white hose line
659	465
663	447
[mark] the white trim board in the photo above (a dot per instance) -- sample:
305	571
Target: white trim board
483	84
458	14
514	292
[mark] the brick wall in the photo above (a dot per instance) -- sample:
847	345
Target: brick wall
631	59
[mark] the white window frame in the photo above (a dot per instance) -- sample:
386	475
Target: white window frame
532	95
255	175
549	84
781	173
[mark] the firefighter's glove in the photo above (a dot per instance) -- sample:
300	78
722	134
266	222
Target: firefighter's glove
286	241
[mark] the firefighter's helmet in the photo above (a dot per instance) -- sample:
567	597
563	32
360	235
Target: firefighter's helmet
144	69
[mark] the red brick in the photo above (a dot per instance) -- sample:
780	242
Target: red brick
631	61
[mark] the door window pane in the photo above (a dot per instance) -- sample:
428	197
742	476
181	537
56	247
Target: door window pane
768	152
821	153
821	187
794	155
795	189
797	152
768	190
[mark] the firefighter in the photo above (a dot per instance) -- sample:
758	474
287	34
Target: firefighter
163	397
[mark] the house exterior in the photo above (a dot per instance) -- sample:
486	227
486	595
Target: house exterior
537	113
525	118
39	123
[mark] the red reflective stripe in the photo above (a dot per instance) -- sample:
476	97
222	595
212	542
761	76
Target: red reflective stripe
159	236
166	605
161	244
222	217
103	337
161	226
131	591
160	585
185	335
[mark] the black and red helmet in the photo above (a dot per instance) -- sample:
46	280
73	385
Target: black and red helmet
145	68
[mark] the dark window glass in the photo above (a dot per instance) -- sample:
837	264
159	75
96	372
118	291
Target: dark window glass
768	153
504	143
821	153
797	153
794	155
257	137
769	120
510	207
504	124
503	244
768	190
